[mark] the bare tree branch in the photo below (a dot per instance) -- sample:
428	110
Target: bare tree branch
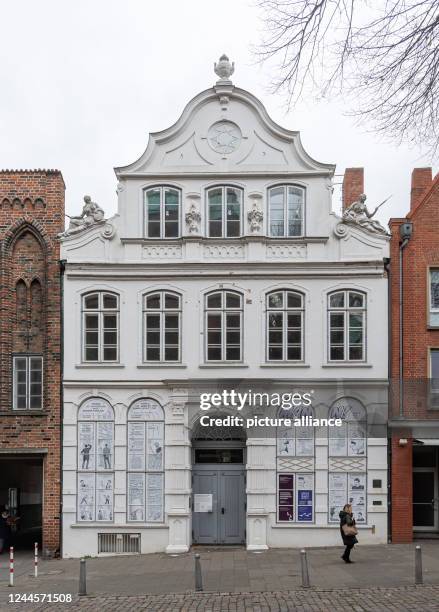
382	56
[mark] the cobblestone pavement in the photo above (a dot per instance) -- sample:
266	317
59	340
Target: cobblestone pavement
384	574
413	598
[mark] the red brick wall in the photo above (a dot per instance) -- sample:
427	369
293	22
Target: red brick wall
421	252
31	215
353	185
402	489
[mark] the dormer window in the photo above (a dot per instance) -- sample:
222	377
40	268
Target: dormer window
286	211
162	212
224	211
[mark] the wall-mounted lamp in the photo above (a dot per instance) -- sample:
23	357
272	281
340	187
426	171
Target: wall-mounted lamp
403	442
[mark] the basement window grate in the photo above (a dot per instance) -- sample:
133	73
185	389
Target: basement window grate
119	543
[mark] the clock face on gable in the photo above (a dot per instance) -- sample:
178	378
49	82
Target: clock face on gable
224	137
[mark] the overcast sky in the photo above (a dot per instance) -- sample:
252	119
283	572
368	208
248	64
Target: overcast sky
83	83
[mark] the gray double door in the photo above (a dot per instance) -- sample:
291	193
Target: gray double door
225	523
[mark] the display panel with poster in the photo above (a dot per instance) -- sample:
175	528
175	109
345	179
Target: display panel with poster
145	448
285	498
347	488
104	497
305	497
296	441
95	452
349	439
86	446
136	497
86	497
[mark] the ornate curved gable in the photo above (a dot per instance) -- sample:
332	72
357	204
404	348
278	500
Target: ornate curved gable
225	129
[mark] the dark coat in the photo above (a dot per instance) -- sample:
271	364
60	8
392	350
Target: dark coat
347	519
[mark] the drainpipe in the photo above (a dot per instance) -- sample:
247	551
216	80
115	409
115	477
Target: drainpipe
62	267
387	268
405	232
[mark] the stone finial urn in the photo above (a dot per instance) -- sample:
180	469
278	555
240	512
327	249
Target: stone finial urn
224	69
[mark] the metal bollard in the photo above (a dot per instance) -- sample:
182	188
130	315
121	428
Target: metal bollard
304	566
36	559
82	578
198	576
418	565
11	566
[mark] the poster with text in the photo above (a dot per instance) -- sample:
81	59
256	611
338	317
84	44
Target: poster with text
338	441
154	498
155	446
304	447
337	496
285	507
86	497
105	446
136	446
285	442
136	497
86	446
104	500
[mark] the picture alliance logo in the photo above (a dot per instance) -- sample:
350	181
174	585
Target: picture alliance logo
249	399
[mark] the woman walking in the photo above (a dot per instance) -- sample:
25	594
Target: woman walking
348	531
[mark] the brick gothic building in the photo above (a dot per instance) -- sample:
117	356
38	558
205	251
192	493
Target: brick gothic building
414	416
31	215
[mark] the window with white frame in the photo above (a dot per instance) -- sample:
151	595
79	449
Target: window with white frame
100	327
286	204
145	444
434	298
347	451
224	211
223	325
27	375
347	326
162	323
162	212
284	316
95	461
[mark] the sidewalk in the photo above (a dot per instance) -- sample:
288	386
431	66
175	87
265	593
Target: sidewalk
224	570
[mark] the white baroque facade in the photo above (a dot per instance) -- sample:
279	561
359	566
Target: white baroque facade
224	268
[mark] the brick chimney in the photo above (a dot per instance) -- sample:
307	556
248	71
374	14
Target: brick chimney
422	179
353	185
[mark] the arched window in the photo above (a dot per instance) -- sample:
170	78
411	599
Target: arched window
95	461
223	325
286	211
347	326
224	211
295	467
162	212
145	445
100	325
347	450
284	317
162	325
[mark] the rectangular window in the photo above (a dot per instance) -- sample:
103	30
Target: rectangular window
434	370
346	326
27	382
295	498
285	210
434	298
162	212
224	212
100	312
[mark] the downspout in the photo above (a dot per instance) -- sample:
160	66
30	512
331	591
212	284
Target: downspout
405	231
62	267
387	268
